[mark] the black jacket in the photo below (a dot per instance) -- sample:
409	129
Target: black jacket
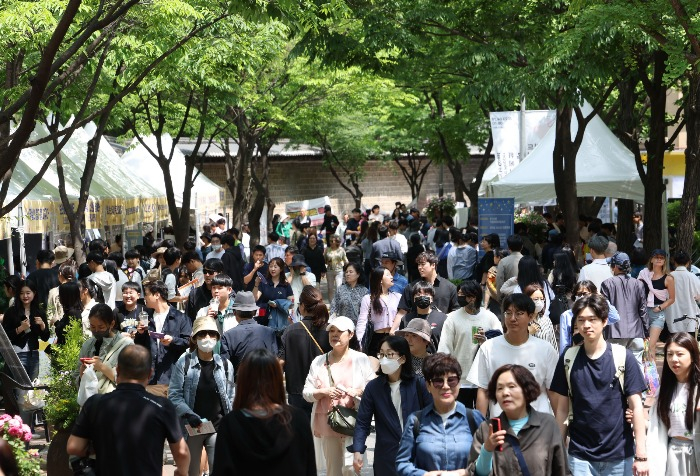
14	317
233	266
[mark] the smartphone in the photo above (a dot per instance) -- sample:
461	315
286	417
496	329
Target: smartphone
496	424
85	359
156	335
262	278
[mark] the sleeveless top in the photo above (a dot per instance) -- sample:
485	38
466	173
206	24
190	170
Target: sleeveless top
659	284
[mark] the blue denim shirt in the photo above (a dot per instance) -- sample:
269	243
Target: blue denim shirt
437	447
183	388
400	282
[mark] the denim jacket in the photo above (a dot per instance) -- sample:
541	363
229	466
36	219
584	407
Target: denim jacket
182	389
437	447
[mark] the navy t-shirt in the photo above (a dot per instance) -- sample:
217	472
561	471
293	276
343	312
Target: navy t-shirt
270	292
599	431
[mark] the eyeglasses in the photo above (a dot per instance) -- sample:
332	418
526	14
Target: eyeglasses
388	355
209	271
439	382
518	315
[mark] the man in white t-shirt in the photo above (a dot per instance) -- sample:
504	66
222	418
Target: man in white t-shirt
464	331
599	269
517	346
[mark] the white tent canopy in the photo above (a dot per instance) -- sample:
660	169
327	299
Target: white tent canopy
206	195
604	168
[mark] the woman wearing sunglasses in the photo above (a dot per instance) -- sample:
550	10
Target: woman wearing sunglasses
390	399
527	439
437	439
201	388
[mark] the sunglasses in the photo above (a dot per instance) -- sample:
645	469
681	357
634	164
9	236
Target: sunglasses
202	334
209	271
439	382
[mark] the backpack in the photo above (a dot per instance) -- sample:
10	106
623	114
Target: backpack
619	357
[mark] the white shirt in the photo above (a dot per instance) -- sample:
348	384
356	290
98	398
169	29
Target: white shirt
457	339
395	389
159	320
402	241
297	286
676	414
216	254
378	217
687	293
536	355
597	272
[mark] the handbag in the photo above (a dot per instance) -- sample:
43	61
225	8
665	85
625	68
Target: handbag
651	373
341	419
369	332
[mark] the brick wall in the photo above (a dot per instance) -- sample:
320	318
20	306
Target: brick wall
383	183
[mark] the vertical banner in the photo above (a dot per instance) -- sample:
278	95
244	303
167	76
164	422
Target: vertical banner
93	214
148	206
505	127
113	209
62	222
37	214
496	215
132	212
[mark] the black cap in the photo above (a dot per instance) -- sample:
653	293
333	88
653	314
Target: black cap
392	256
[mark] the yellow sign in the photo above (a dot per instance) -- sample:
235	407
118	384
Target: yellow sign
113	209
37	216
93	214
132	211
148	205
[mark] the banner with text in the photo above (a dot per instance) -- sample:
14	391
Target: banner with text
496	215
505	127
313	207
37	216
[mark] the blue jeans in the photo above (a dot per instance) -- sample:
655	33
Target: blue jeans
30	362
580	467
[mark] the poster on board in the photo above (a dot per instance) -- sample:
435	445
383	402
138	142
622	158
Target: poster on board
313	207
496	215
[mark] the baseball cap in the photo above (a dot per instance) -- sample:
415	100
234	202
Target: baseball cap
341	323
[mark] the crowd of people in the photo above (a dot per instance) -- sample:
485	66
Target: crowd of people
532	363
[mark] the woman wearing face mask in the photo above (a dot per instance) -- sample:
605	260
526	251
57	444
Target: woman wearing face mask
542	326
380	306
201	388
464	331
582	288
390	399
672	421
103	348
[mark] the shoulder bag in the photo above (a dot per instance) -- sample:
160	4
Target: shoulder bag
341	419
369	330
312	338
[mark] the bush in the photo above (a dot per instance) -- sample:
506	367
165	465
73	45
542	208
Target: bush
18	434
674	214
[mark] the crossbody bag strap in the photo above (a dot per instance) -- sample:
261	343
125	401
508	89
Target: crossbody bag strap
328	367
515	444
312	338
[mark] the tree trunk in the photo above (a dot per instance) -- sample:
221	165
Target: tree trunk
691	189
473	190
262	196
625	227
564	164
656	147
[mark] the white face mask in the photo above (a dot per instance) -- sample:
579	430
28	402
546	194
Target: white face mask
539	305
206	344
389	366
216	247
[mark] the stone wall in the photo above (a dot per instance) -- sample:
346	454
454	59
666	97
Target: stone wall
383	184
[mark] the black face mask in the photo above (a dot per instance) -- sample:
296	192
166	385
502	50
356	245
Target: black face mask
462	301
423	302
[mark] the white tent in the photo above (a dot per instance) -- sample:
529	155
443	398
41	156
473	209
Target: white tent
604	168
206	195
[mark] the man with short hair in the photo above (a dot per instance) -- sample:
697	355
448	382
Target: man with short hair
391	261
221	225
516	346
687	287
445	298
248	334
193	263
201	296
134	270
107	423
461	259
45	278
629	297
127	312
224	315
273	248
257	265
330	223
171	331
384	245
375	215
352	227
168	274
396	236
217	250
104	279
423	308
508	266
595	391
205	248
233	261
598	270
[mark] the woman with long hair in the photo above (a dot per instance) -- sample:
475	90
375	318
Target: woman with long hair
380	307
563	273
72	308
661	293
348	297
369	234
211	378
529	273
335	262
302	342
541	326
337	378
389	400
672	422
263	434
274	288
54	309
25	323
90	294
